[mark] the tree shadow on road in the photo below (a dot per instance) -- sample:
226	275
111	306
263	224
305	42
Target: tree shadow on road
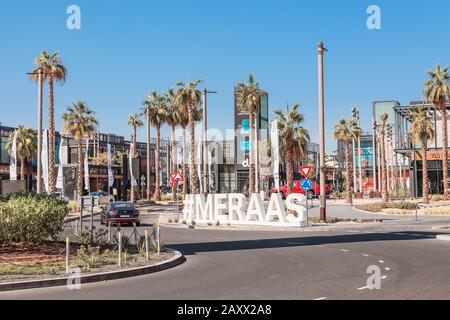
309	241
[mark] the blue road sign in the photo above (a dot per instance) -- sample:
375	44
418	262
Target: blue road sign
306	185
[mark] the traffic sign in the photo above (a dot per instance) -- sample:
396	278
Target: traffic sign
306	185
306	170
176	177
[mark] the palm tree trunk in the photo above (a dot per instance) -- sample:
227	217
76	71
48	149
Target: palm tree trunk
444	147
289	167
185	165
80	168
51	137
384	186
174	163
426	190
133	155
157	195
251	180
194	181
22	168
348	179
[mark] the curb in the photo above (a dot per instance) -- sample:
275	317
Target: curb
99	277
443	237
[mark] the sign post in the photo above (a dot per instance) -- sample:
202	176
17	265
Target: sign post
306	186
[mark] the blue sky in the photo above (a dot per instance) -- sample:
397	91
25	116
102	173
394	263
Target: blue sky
126	49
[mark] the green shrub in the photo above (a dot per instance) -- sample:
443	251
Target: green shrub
437	197
379	206
31	218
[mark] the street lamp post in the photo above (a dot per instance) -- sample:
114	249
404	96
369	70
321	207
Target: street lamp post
205	143
320	51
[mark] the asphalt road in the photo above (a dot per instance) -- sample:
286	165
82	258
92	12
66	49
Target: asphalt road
225	264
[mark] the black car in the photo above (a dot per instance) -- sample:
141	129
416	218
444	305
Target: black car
120	213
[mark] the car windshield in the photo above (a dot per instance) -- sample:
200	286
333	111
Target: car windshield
122	206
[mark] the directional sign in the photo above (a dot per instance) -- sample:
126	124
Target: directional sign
306	170
176	177
306	185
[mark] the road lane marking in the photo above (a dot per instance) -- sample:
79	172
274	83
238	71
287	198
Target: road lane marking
381	261
345	250
322	298
363	288
387	269
383	277
365	255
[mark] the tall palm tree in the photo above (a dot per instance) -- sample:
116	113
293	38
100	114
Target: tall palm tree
79	122
173	120
422	131
25	145
188	96
294	139
347	130
158	117
436	89
248	98
52	70
384	184
135	122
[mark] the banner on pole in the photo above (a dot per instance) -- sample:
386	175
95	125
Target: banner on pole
13	159
44	159
86	167
274	136
60	178
110	173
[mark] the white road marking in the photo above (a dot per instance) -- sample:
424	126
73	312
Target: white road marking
383	277
387	269
322	298
321	246
363	288
381	261
366	255
345	250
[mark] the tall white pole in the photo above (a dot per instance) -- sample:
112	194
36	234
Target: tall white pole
355	183
205	145
323	209
39	151
374	164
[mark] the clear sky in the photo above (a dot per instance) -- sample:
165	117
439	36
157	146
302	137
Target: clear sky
125	49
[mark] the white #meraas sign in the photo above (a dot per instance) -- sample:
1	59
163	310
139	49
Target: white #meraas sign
235	209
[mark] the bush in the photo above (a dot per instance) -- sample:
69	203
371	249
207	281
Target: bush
31	218
437	197
379	206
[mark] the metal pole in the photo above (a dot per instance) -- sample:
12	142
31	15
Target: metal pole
120	248
148	156
205	144
81	214
374	164
92	218
321	50
39	151
146	245
67	254
359	157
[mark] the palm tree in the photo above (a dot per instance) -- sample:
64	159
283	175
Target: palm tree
384	184
25	145
422	131
294	139
52	70
79	122
173	120
436	89
135	122
347	130
158	116
248	98
188	96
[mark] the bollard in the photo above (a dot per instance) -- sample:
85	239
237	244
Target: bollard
120	249
158	239
146	245
67	254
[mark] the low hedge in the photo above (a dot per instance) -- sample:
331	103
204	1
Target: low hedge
31	218
379	206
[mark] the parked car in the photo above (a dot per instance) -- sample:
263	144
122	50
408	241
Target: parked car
120	213
314	192
99	194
